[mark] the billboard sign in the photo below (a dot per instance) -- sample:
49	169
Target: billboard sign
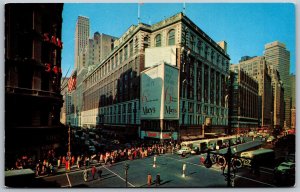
151	93
159	93
171	93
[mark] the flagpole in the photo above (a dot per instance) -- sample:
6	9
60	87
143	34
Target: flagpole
65	77
138	13
184	8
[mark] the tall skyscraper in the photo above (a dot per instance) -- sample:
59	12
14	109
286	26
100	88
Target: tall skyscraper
82	33
279	56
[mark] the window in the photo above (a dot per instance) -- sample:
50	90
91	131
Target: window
171	37
126	52
146	44
199	46
124	108
131	48
192	42
129	107
116	59
158	40
121	58
199	108
191	107
206	52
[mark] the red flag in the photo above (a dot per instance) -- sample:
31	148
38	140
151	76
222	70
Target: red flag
72	82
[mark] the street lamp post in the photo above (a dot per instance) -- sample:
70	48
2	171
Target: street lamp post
228	177
126	167
69	147
229	162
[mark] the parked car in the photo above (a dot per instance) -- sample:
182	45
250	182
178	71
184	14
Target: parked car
270	139
195	151
184	150
116	142
285	168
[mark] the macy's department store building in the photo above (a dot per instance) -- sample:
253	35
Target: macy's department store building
161	82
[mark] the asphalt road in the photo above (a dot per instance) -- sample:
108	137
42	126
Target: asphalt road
169	166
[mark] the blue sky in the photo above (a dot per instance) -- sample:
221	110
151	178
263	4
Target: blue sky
245	27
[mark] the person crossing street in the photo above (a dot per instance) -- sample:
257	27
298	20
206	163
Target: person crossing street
85	174
94	170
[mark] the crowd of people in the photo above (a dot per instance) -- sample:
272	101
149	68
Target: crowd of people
50	163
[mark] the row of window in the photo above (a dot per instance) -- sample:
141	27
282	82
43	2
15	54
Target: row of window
121	108
187	119
216	83
112	63
201	109
170	36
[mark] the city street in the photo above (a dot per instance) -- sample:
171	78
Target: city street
169	166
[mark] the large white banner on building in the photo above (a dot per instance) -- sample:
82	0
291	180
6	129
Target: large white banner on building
151	93
159	93
171	94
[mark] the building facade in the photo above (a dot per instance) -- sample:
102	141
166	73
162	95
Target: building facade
293	118
82	35
243	101
277	99
88	53
66	105
257	68
277	54
111	93
32	79
293	90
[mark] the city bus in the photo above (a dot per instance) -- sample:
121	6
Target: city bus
204	144
260	156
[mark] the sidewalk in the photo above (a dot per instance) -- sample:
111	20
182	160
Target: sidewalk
74	168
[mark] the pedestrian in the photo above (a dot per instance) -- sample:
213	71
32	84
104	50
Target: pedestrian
78	161
73	160
58	162
100	172
85	174
37	169
51	168
157	181
202	160
94	170
149	179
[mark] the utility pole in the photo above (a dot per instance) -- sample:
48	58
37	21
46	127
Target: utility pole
126	167
69	148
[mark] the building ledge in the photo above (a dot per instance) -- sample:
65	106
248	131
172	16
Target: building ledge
32	92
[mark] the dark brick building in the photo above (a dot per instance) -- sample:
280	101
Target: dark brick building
32	79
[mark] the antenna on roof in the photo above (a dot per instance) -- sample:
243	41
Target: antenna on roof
139	4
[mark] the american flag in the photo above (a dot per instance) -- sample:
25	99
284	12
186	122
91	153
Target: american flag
72	82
